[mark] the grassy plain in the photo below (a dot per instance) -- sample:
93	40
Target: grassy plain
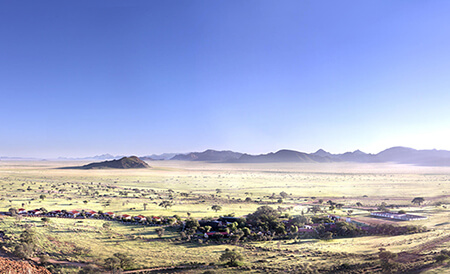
195	186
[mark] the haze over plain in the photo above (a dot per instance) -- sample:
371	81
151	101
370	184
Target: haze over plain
86	78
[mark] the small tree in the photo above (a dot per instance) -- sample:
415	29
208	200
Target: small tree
24	250
45	220
382	207
12	211
418	200
326	235
216	208
386	256
160	231
125	261
166	204
315	209
42	197
232	257
192	225
43	258
28	236
112	263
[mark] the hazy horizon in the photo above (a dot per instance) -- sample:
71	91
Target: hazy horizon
187	152
148	77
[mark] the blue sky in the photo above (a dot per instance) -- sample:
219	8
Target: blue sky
80	78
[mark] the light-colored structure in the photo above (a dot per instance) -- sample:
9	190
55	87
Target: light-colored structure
398	216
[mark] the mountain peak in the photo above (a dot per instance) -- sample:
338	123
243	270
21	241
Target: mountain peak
322	153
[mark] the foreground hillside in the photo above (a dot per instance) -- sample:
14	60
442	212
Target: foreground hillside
20	267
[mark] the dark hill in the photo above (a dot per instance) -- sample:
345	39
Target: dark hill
123	163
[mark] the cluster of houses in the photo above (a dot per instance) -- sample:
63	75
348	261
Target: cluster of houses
217	226
398	216
84	214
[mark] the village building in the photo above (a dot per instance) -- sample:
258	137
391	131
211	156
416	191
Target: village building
109	214
55	213
73	213
34	212
398	216
90	213
337	218
139	218
125	217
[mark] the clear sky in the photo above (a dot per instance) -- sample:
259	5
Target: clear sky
80	78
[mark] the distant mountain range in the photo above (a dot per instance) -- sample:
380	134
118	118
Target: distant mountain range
401	155
282	156
156	157
209	156
96	157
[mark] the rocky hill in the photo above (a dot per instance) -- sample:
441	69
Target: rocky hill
123	163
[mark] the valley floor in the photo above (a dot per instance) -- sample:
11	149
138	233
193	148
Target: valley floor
75	245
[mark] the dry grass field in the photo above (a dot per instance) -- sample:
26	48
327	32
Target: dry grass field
194	187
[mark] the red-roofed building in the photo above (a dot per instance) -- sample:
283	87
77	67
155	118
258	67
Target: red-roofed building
90	213
156	219
125	217
109	214
73	213
140	218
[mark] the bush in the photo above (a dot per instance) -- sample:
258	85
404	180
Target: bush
232	257
112	263
386	256
24	250
125	260
45	220
43	258
443	256
160	231
90	269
